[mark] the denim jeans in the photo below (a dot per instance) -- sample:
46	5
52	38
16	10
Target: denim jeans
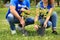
12	21
52	21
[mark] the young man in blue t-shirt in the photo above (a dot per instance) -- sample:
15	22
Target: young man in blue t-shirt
14	14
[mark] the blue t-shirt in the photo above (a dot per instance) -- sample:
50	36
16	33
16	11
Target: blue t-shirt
40	5
18	4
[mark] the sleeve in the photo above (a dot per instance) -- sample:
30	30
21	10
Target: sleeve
28	3
13	2
38	5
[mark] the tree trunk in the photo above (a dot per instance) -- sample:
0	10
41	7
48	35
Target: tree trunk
58	3
5	1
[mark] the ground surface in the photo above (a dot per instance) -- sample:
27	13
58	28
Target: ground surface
6	35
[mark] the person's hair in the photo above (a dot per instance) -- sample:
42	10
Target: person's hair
50	2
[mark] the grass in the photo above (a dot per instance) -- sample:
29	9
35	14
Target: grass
6	35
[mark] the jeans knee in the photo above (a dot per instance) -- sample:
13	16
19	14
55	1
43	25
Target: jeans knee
10	17
30	20
54	14
49	24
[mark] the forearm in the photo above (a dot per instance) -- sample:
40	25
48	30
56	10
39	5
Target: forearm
47	19
36	19
15	14
49	15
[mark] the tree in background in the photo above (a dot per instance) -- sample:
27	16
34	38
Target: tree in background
58	2
1	4
5	1
37	1
33	2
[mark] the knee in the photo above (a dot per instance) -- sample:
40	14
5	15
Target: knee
54	14
49	24
30	20
10	17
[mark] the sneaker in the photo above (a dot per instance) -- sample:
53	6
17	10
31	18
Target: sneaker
25	33
41	31
13	32
54	32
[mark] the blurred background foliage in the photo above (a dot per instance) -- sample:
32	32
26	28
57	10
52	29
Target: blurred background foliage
33	2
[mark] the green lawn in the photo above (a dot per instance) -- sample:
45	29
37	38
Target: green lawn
6	35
